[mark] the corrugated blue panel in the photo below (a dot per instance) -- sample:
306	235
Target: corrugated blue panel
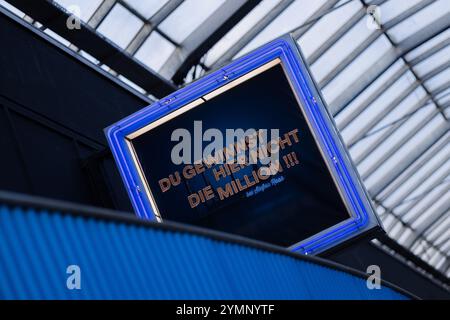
131	261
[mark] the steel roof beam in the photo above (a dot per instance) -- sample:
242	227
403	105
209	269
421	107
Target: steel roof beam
330	76
381	115
164	12
421	103
326	8
444	268
371	39
423	201
139	38
436	71
442	239
408	13
90	41
269	18
386	187
152	24
338	34
428	53
252	33
441	224
413	201
396	249
399	232
406	225
435	216
392	149
390	130
436	225
101	12
429	202
440	89
397	75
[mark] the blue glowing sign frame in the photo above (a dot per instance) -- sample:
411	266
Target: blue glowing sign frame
362	215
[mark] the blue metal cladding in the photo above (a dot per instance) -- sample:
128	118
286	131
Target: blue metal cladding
131	260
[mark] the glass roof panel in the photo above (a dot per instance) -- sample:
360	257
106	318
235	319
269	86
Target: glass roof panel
392	8
442	225
341	49
388	220
418	247
435	258
120	26
420	175
419	20
421	206
356	68
378	106
443	239
361	98
404	235
408	176
399	134
428	212
397	227
155	51
12	9
57	37
187	17
366	143
434	182
404	151
433	62
446	244
438	80
292	17
443	36
86	7
445	104
357	118
439	262
88	57
403	109
131	84
146	8
239	30
443	94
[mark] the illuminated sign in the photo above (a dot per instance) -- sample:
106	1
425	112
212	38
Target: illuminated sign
249	149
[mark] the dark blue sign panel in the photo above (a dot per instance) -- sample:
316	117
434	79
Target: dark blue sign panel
286	179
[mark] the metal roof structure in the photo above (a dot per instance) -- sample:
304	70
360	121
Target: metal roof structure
383	66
